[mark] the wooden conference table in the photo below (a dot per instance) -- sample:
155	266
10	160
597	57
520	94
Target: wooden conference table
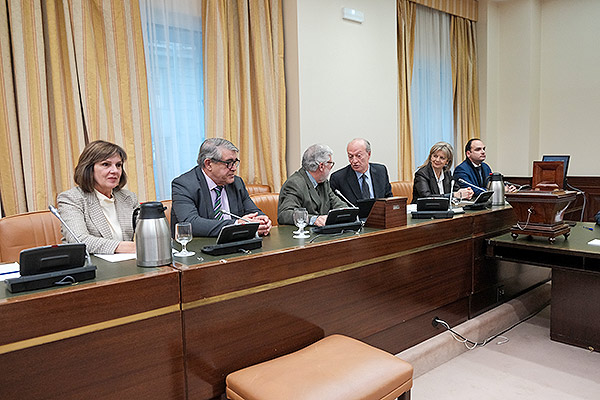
575	268
175	332
118	336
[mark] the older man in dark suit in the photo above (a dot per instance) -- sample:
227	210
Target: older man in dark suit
309	188
206	195
361	179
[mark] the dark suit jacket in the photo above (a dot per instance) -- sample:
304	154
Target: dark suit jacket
298	191
466	170
192	203
598	218
345	181
425	183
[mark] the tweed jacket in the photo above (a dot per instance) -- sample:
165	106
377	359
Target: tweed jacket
298	191
84	215
192	203
425	183
346	182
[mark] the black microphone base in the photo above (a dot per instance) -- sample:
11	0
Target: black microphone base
432	214
64	277
232	247
337	228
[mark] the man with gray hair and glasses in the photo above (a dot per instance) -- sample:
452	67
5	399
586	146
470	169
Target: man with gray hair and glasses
309	188
207	194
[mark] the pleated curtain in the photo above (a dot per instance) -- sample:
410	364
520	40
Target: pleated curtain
464	75
245	84
72	71
406	14
465	82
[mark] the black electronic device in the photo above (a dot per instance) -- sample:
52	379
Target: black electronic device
432	214
480	202
565	160
234	239
338	220
55	265
45	280
342	216
437	203
364	207
52	258
236	233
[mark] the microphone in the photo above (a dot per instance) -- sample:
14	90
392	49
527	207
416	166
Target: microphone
461	180
54	211
451	195
336	191
519	187
235	216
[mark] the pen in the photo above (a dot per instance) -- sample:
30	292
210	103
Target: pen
235	216
588	228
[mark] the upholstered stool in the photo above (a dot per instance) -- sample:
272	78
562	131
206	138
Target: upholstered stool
336	367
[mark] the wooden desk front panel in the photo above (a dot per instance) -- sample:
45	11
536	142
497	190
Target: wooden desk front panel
116	338
363	287
140	360
242	273
575	307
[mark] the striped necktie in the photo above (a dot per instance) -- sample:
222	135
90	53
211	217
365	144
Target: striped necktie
217	205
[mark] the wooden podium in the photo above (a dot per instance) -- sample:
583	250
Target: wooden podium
388	213
540	213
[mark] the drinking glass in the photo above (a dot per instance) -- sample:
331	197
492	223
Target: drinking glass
183	235
300	220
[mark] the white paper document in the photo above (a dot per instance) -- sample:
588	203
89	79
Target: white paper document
116	257
8	271
594	242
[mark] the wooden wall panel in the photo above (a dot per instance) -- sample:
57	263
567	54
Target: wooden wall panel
141	360
224	336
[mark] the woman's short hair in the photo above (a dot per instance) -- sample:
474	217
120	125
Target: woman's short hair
211	149
94	152
315	155
446	148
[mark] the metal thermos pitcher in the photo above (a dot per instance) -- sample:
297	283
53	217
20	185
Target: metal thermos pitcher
152	235
496	184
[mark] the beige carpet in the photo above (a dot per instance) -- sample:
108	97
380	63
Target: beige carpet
529	366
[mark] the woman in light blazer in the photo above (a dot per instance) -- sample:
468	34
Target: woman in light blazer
433	178
98	209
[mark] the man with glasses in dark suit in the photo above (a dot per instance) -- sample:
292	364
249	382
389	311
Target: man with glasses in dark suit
207	194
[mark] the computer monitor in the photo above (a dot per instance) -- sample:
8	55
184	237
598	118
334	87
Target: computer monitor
565	160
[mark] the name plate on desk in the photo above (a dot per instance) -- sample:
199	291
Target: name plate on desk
388	213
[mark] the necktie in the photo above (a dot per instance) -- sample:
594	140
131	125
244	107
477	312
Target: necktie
482	177
479	176
217	205
366	194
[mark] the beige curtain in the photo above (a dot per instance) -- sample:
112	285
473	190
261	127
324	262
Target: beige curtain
71	71
245	84
406	33
461	8
464	79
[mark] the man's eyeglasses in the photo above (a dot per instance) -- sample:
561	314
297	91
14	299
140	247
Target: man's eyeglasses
330	162
230	164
